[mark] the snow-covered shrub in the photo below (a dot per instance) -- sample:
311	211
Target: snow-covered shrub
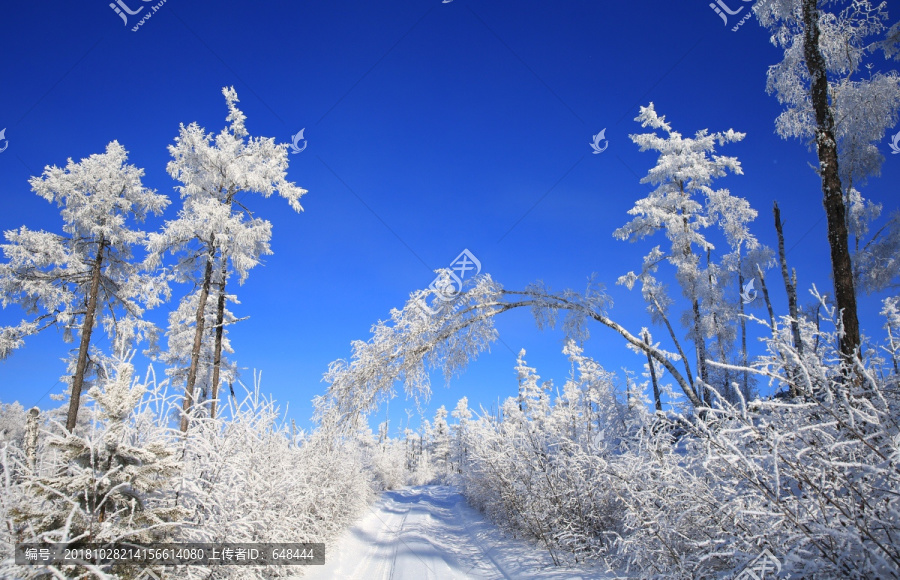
681	517
419	467
130	476
541	469
105	484
386	464
245	480
12	462
823	466
814	480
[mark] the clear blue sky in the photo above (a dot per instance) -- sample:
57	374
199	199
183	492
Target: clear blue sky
431	127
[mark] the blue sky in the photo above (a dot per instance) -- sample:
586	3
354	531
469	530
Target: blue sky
431	127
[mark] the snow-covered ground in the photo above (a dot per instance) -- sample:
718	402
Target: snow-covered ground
430	532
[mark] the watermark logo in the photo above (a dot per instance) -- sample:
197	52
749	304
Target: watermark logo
296	139
148	574
123	10
4	140
759	568
601	136
448	284
895	143
748	292
723	10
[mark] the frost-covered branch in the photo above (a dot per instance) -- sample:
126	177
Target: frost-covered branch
413	342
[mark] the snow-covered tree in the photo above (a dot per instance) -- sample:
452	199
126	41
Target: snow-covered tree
593	389
652	370
460	448
12	423
67	280
876	264
547	477
440	440
680	206
834	98
876	255
215	234
126	476
245	481
532	399
105	485
747	259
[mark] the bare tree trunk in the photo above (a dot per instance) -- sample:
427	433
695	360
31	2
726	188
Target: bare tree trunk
198	338
652	367
745	383
791	287
723	354
826	147
86	329
700	342
686	388
765	291
687	364
220	319
521	398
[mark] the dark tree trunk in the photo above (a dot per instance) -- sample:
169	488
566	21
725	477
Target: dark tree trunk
826	147
700	341
220	319
789	286
652	366
684	358
86	329
765	291
723	354
198	338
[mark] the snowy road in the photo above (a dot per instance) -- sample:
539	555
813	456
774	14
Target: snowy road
430	533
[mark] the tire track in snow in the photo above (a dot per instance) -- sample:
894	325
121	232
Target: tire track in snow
430	533
393	561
